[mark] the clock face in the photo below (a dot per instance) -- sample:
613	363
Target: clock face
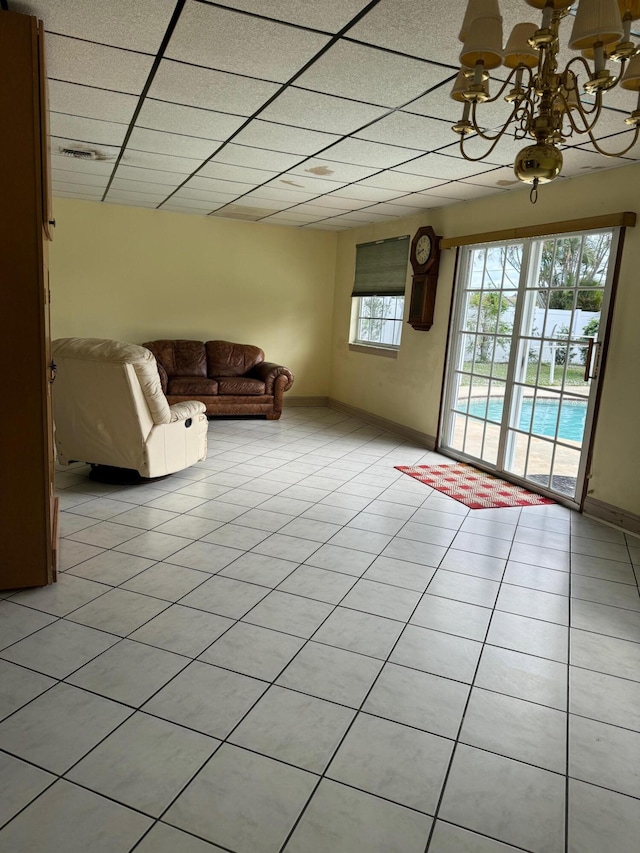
423	249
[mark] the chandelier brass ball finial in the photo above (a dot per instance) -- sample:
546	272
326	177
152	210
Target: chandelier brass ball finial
540	163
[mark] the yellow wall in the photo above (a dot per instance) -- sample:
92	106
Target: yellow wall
407	389
136	275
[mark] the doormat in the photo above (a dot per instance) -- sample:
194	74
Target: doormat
471	487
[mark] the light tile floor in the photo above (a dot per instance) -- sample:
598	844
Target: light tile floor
294	647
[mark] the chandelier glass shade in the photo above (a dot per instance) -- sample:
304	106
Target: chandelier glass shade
547	105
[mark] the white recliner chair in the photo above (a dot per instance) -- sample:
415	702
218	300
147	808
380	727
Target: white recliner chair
109	410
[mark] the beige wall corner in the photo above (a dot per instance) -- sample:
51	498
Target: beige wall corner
136	275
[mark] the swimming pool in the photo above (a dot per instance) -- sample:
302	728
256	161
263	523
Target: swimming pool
572	417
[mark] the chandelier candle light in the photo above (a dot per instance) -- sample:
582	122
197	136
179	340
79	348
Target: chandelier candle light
547	103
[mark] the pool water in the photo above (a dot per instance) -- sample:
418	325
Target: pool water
572	417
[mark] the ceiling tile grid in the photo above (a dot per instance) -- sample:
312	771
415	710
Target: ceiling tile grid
327	114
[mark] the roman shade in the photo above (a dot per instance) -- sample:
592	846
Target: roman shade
381	267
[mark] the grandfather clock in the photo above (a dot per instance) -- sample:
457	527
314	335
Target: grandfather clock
425	260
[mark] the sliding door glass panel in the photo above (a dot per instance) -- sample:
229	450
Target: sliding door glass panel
527	330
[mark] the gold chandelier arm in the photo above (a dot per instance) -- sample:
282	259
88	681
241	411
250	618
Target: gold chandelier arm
589	117
493	140
508	81
487	136
615	153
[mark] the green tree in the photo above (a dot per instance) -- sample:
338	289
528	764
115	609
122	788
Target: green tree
484	317
589	331
568	263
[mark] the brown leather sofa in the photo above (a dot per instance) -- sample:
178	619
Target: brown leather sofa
230	379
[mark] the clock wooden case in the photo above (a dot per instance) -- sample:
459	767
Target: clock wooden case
425	261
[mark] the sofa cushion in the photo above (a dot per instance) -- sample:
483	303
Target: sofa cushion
180	358
228	359
240	385
185	386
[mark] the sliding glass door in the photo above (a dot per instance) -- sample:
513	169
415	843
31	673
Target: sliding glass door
524	357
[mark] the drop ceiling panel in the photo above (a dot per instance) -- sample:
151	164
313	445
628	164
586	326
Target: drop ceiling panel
425	134
462	191
138	25
329	16
432	199
577	161
315	186
212	185
66	176
99	168
291	216
154	176
213	90
146	187
345	221
443	167
177	208
131	202
153	199
229	41
281	137
333	201
316	111
359	151
88	130
281	194
330	170
256	158
74	194
370	75
252	200
313	208
212	196
394	210
501	178
411	26
90	102
157	142
367	215
236	173
149	160
70	186
95	65
197	203
190	121
362	193
428	30
392	180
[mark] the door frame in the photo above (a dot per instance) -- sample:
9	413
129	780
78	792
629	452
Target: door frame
618	228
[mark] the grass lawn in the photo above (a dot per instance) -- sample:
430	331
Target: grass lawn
575	373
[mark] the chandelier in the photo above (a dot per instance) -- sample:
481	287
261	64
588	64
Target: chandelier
549	104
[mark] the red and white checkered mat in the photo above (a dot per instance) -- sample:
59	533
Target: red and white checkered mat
471	487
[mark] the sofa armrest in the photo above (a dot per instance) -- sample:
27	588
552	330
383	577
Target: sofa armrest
268	372
186	409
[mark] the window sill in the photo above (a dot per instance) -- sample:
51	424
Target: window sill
371	349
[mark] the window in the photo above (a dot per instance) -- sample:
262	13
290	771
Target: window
378	292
